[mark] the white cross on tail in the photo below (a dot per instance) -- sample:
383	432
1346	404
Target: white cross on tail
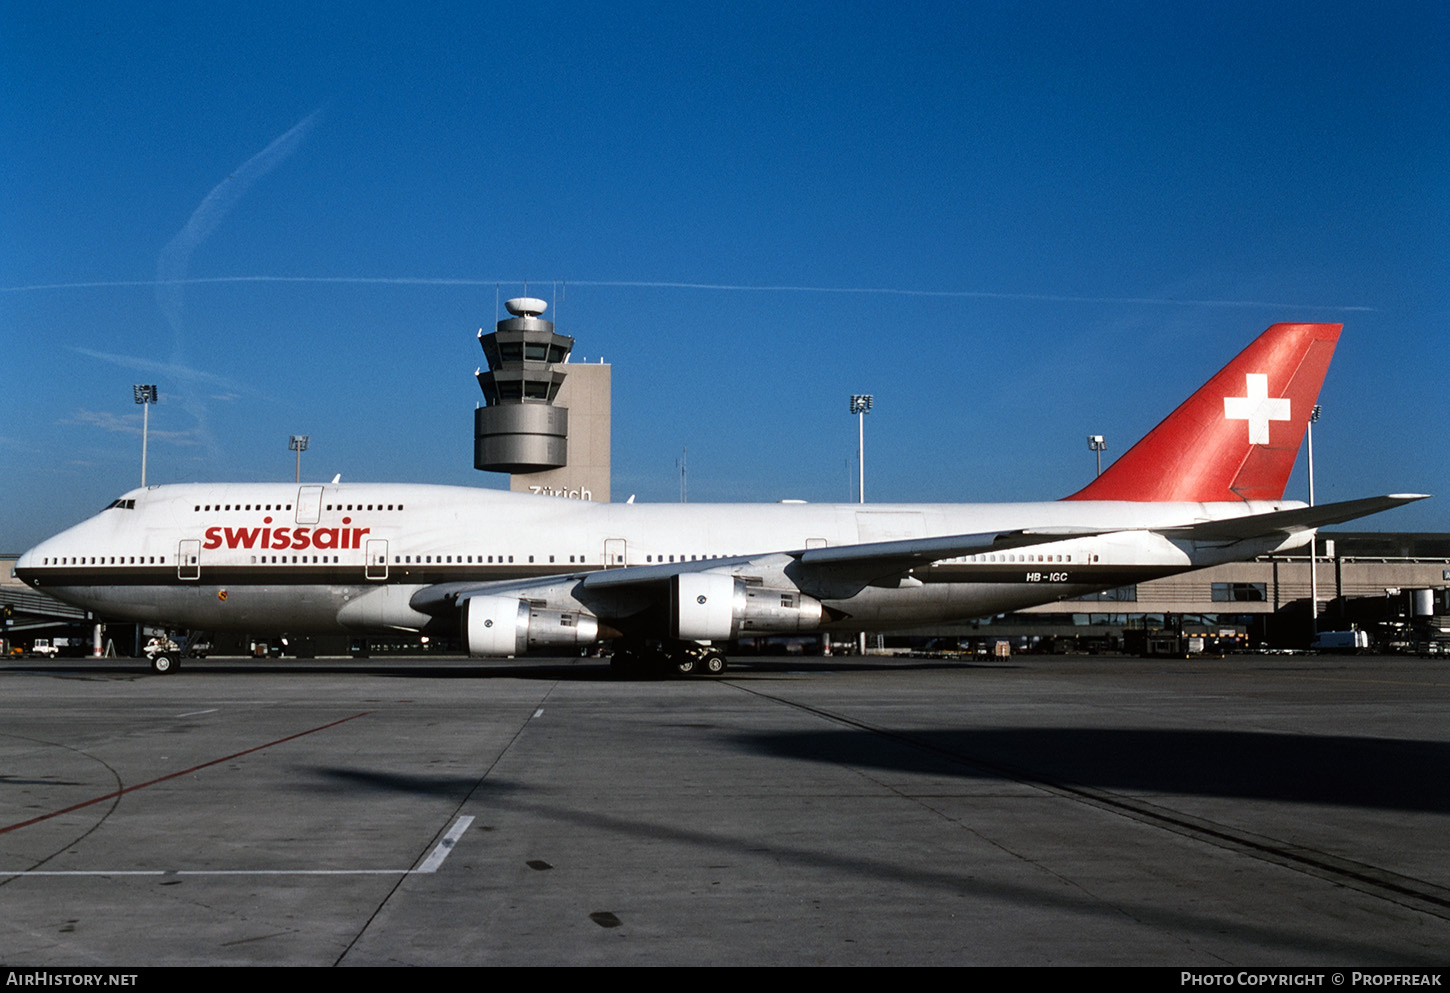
1257	408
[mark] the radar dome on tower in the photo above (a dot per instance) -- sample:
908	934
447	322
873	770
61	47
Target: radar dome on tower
525	306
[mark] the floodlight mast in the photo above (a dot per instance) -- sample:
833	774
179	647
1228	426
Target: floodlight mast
1313	545
145	395
298	444
1098	444
861	406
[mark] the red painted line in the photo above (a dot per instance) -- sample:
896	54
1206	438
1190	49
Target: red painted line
173	775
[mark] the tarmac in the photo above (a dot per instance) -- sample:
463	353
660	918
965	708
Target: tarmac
1258	811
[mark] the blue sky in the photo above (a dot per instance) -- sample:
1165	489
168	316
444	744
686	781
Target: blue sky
1014	223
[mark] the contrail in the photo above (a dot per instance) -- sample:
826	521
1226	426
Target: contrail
172	264
165	369
722	287
959	294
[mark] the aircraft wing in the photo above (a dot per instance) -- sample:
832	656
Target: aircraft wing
880	558
433	599
877	559
896	556
1287	521
638	575
909	552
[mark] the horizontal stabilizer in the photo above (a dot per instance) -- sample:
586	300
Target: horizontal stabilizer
1288	521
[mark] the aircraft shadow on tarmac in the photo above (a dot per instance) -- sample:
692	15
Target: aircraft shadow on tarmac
350	781
1371	773
1377	773
734	841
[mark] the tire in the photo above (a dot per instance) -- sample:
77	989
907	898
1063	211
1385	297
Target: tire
164	663
687	665
715	663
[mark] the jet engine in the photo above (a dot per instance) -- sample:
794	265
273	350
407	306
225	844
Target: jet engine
706	606
500	626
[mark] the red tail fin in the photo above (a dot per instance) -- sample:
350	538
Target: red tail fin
1238	436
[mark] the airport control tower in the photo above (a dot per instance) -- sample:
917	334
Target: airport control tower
545	420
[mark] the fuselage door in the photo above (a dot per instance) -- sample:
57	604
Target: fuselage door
309	504
377	558
614	553
188	559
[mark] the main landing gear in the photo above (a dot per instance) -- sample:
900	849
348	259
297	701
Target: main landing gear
639	661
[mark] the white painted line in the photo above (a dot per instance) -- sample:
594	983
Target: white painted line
210	872
538	713
196	713
445	844
430	864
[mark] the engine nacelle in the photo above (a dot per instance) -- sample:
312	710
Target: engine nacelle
706	606
500	626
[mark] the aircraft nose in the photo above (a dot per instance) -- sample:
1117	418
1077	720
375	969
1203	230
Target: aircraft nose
24	562
24	566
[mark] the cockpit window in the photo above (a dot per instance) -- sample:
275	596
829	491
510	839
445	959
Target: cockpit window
122	505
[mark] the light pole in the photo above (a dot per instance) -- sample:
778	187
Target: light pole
1314	543
1099	445
861	406
298	444
145	395
1314	413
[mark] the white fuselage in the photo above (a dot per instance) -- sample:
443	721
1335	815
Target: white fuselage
269	557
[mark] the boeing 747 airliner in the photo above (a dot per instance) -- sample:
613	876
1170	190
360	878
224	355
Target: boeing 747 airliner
670	583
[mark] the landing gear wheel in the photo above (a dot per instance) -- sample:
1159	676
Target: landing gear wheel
715	663
163	664
687	665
